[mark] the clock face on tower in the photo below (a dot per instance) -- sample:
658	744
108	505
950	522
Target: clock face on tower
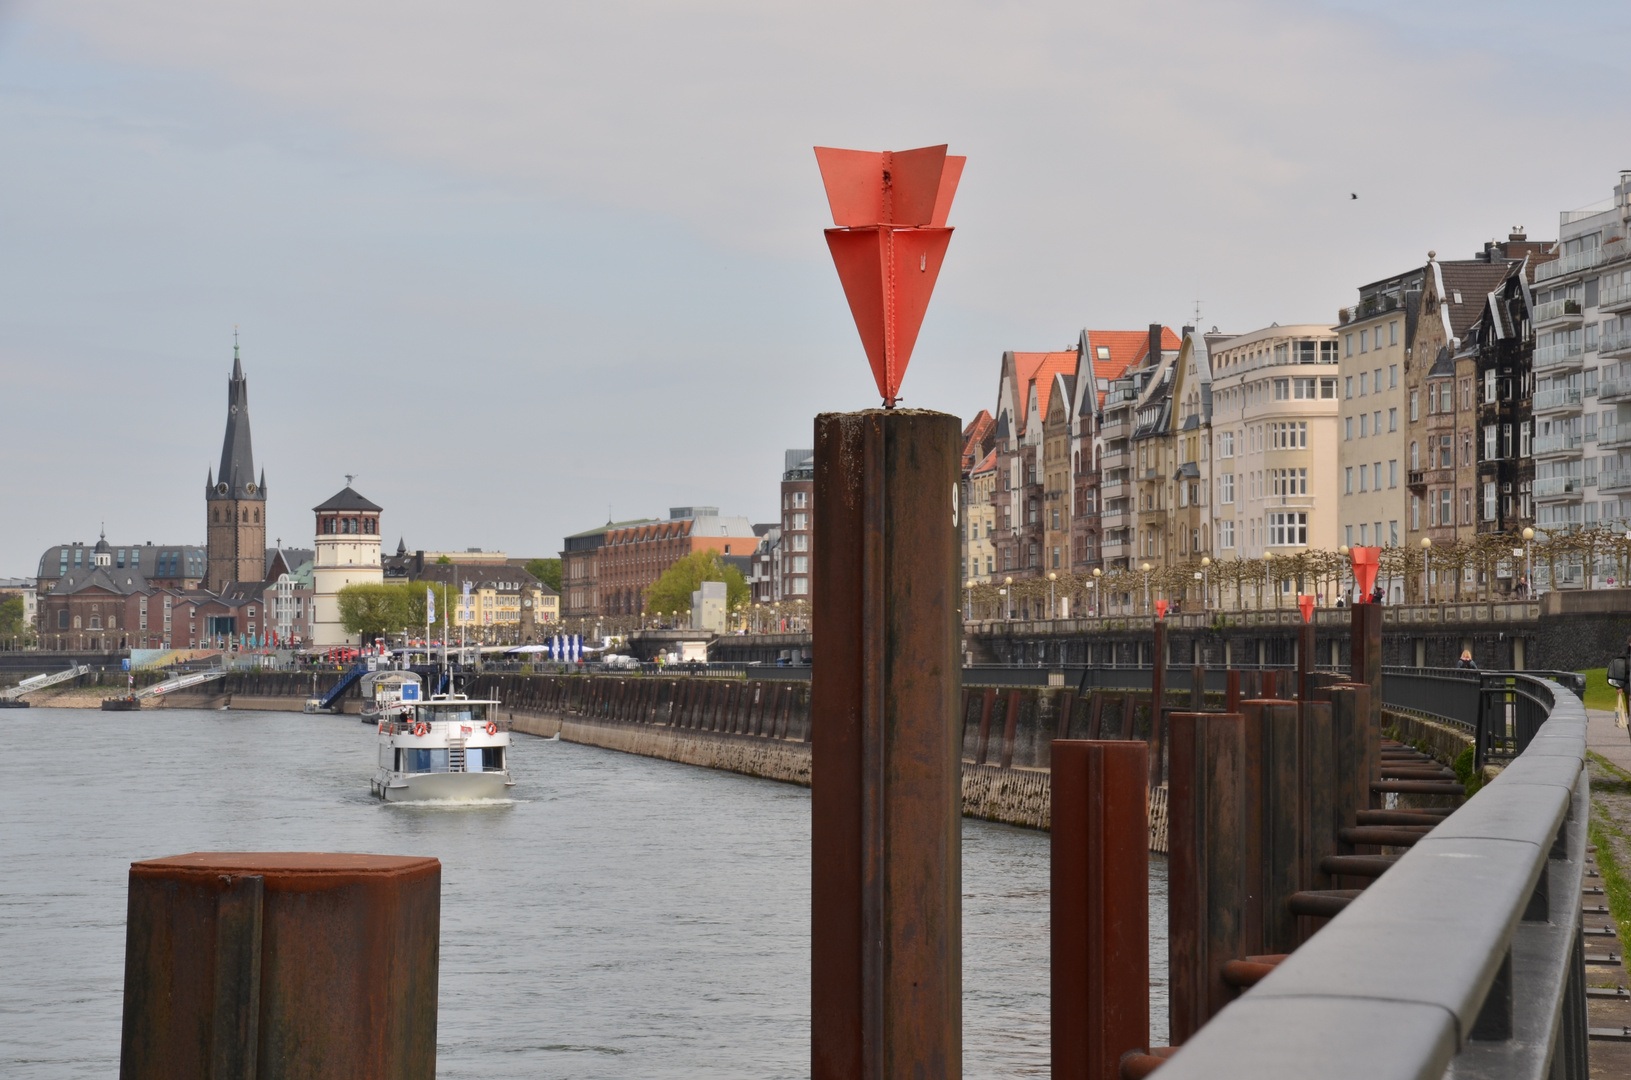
221	489
250	488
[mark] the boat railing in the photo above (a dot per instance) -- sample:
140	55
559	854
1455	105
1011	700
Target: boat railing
405	727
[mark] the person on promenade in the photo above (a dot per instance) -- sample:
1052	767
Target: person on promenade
1466	660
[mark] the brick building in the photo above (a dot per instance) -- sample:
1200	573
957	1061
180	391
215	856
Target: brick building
630	558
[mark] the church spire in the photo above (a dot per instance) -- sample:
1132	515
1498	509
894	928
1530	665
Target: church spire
237	469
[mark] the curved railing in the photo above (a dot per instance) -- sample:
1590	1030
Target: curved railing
1467	955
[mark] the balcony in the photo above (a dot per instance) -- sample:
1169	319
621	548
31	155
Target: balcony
1557	444
1614	480
1614	436
1614	343
1115	457
1615	297
1563	398
1558	487
1118	426
1557	311
1548	357
1415	478
1570	264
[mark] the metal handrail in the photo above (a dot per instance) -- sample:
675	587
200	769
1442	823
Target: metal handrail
1468	950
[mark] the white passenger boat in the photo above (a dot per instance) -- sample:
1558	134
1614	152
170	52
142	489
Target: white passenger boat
445	748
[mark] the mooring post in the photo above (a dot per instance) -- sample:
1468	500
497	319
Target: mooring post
886	933
1316	796
1158	701
1099	964
1305	660
1211	867
1231	690
1273	759
1197	688
1351	753
1366	659
281	964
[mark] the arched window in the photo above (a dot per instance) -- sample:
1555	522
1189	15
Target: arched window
215	516
257	517
246	517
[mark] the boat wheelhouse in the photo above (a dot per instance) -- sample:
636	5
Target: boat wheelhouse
446	748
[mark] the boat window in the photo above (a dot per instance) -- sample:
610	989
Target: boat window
429	760
484	759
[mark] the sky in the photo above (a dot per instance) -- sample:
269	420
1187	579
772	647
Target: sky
521	266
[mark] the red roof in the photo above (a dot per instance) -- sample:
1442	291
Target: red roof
1039	368
1127	349
986	464
974	435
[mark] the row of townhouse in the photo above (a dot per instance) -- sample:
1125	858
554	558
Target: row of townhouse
1455	398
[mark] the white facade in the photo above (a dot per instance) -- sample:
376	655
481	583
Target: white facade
1371	460
342	558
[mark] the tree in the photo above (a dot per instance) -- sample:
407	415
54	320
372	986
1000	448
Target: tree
12	623
443	560
371	610
673	590
547	571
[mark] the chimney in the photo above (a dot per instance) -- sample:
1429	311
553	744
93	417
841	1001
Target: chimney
1517	235
1186	332
1155	342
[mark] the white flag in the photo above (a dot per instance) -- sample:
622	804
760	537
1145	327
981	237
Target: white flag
430	606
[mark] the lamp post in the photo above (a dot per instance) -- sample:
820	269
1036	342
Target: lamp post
1053	607
1007	605
1206	582
968	589
1529	559
1146	568
1427	568
1347	563
1268	557
1097	573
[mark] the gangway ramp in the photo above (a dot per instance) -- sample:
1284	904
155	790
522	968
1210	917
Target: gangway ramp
180	682
40	682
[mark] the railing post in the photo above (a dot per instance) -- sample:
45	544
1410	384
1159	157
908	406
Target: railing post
1099	964
886	935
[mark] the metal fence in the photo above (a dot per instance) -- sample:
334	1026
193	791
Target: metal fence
1467	957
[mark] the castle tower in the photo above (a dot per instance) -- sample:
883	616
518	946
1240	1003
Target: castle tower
235	503
347	553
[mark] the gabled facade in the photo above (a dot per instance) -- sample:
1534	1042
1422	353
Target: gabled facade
1191	426
1122	363
1371	461
1500	345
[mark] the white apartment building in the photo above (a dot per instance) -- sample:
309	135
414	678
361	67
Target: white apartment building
1582	369
1371	462
1274	433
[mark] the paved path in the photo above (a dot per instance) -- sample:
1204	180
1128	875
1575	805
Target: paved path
1614	743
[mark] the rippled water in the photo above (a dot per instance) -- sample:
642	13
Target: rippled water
623	917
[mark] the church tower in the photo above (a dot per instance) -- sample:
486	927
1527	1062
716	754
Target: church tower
235	502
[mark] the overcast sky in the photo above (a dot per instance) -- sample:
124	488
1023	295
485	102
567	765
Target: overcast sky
517	265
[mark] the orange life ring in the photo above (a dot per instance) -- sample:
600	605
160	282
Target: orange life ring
421	729
492	728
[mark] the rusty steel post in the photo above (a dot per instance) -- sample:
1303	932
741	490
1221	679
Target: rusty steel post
1211	867
1273	760
987	704
281	964
1316	797
886	881
1010	724
1305	660
1366	647
1231	691
1351	736
1158	701
1099	961
1268	684
1197	688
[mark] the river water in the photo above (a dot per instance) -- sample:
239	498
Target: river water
622	917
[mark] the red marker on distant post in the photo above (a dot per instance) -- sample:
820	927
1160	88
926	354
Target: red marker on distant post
890	209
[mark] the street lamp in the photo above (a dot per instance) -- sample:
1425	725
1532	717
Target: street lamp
968	588
1146	568
1097	573
1206	581
1007	605
1529	560
1268	557
1427	567
1053	608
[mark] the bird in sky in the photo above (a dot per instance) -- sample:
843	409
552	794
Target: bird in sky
1351	195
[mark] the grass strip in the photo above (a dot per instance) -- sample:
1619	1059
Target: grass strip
1604	832
1599	695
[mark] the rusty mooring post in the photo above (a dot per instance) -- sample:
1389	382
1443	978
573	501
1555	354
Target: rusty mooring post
1351	737
1158	702
886	932
1212	866
1366	655
1231	690
281	964
1305	660
1099	970
1316	797
1273	760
